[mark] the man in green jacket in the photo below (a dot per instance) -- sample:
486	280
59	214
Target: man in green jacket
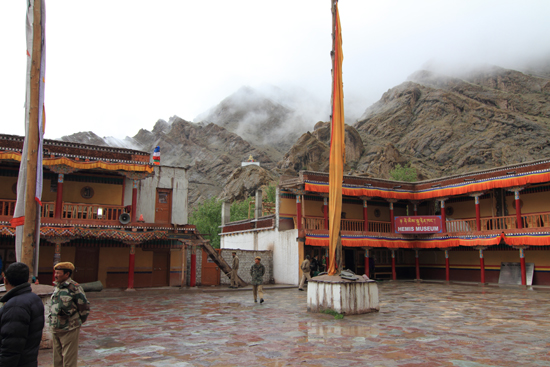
257	272
68	311
235	271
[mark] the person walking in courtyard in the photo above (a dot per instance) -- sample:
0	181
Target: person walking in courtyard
21	319
234	271
69	310
257	272
305	272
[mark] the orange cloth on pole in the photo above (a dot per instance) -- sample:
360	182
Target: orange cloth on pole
337	146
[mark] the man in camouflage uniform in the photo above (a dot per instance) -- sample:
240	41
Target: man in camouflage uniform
68	311
305	272
257	272
234	271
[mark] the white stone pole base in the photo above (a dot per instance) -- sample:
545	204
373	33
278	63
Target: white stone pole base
343	296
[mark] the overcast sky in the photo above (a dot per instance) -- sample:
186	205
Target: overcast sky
115	66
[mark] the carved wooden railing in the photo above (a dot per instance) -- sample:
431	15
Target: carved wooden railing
314	223
495	223
91	211
47	210
376	226
355	225
461	225
7	207
536	220
76	211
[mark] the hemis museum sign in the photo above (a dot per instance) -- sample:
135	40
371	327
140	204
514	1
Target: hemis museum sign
418	224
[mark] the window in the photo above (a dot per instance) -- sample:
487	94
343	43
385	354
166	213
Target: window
87	192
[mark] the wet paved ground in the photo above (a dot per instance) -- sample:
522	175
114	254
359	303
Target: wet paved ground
424	324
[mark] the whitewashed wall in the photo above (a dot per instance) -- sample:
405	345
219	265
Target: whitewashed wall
165	177
282	244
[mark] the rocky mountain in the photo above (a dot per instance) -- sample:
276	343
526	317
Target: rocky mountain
210	152
445	125
266	118
439	124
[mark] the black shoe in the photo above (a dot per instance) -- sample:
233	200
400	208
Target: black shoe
255	301
300	289
261	300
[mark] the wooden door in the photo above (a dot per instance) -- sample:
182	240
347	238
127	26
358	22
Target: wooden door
163	206
210	272
86	264
161	269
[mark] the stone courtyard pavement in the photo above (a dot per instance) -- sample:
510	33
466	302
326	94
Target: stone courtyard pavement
425	324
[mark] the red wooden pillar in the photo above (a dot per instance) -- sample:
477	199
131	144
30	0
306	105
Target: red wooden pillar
367	268
56	258
298	212
134	200
443	216
415	210
59	196
325	212
392	220
518	209
131	264
193	277
393	273
365	217
522	262
417	263
478	213
482	265
447	268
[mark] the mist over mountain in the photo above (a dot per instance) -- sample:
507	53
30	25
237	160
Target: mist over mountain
441	121
268	117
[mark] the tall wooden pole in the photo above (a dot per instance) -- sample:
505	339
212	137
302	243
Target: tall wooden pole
335	177
31	206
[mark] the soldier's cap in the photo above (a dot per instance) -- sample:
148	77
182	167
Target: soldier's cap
258	258
64	266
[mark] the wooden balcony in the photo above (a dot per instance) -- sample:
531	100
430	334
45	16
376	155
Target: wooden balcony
353	225
71	211
532	220
94	212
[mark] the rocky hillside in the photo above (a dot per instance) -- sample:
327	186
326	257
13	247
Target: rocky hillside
440	124
445	125
210	151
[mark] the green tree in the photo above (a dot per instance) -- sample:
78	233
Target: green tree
403	173
239	209
208	218
270	193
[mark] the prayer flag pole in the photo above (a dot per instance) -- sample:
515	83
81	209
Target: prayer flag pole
337	146
29	189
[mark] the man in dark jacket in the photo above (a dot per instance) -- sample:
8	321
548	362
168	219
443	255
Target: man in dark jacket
257	272
21	319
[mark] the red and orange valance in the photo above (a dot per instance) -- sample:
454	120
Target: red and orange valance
117	166
436	241
514	180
